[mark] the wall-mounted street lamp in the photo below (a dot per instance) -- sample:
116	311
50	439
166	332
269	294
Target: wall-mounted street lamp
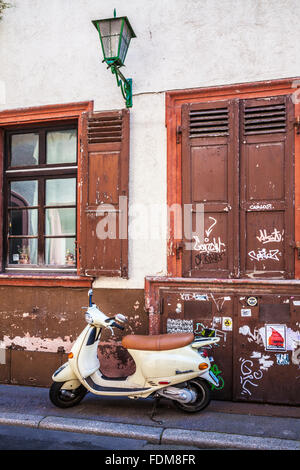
115	36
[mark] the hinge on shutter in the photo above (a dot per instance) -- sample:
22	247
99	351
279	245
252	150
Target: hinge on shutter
179	249
178	134
296	246
124	272
297	124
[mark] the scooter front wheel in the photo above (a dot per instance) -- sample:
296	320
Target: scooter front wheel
66	398
202	391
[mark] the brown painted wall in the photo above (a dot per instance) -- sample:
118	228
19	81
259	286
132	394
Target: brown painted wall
38	326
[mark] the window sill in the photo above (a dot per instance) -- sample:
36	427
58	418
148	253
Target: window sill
44	280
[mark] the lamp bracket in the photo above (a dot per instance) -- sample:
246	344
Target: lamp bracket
124	83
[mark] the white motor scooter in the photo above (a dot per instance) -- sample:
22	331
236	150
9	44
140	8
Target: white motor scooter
172	366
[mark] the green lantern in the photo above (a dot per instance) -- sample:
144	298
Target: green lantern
115	36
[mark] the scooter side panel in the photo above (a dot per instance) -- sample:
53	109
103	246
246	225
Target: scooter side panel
167	363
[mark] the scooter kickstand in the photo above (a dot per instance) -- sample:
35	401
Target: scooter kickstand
154	410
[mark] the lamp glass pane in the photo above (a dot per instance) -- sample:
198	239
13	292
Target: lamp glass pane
110	35
125	40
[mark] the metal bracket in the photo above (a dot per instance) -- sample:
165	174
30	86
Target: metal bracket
124	83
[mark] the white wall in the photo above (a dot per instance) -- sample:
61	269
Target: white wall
50	53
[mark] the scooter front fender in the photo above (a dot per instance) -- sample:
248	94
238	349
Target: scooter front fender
210	377
64	373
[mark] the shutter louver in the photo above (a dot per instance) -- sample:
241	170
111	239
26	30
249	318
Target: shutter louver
208	122
264	119
104	174
103	129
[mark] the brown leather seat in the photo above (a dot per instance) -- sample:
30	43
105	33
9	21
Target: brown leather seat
157	342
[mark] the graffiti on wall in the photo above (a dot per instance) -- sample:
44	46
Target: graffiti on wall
217	372
274	338
249	376
265	237
209	250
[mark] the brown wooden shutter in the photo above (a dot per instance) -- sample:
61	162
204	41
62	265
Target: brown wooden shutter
267	188
104	173
209	177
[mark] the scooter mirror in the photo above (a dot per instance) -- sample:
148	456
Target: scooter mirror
121	318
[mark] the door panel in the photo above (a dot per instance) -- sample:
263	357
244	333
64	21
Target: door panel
209	156
266	190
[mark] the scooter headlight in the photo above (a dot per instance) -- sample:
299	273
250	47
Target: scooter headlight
88	318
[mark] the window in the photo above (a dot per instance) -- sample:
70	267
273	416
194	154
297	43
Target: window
40	189
65	169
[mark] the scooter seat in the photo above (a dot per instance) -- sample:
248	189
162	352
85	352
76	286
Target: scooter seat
157	342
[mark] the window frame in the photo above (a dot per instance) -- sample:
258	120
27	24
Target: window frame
23	119
40	173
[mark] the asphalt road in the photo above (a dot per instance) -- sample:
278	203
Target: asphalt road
25	438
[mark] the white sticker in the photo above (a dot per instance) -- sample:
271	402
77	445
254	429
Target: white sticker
226	324
246	312
16	257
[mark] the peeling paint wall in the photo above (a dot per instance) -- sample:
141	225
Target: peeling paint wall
38	327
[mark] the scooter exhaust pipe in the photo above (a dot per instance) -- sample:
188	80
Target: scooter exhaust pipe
183	395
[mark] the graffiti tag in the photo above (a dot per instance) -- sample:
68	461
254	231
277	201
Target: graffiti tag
275	236
208	258
216	371
248	377
263	254
214	246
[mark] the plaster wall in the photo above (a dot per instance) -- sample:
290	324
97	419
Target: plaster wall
50	53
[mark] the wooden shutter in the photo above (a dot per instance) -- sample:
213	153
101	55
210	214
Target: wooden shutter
209	177
104	179
267	188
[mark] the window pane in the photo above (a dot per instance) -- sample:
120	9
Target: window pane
60	251
24	149
22	251
23	222
24	193
62	146
60	221
60	192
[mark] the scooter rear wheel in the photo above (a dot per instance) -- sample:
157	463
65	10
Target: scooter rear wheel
60	398
200	387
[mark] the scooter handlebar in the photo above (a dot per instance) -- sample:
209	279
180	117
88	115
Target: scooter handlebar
115	324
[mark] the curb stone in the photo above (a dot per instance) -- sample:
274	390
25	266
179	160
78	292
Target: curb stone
20	419
132	431
219	440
